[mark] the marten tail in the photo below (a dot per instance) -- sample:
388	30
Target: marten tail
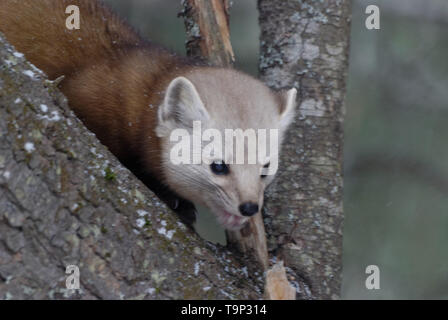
38	28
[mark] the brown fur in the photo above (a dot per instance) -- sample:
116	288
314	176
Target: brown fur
112	76
128	92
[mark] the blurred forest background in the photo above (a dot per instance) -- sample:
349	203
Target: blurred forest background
396	136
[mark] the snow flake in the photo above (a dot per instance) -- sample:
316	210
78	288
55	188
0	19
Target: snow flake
29	147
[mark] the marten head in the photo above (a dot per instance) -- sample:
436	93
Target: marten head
214	151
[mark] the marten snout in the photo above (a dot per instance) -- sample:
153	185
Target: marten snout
248	209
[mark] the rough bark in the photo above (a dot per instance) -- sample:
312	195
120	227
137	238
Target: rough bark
208	33
305	45
207	27
65	199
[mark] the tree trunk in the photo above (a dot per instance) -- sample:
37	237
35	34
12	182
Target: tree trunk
66	200
305	45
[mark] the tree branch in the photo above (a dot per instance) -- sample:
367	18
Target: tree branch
65	199
208	34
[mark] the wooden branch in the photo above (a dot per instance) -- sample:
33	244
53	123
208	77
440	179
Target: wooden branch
252	238
59	207
207	25
277	286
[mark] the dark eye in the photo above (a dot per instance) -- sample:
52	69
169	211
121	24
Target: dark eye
265	167
219	168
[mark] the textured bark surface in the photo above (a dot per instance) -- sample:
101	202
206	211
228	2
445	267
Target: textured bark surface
305	45
64	199
208	33
207	27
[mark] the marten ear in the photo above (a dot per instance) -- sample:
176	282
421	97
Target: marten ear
288	108
181	106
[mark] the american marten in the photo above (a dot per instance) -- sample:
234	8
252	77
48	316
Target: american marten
132	94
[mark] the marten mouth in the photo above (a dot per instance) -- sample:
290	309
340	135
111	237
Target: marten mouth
231	221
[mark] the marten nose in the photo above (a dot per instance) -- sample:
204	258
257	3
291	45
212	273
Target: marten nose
248	209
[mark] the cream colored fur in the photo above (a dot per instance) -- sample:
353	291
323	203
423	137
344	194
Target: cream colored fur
221	99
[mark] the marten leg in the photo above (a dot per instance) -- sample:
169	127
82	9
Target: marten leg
182	207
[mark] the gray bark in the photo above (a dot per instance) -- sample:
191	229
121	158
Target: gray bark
305	45
65	199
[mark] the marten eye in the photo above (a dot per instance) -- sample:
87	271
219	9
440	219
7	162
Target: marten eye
219	168
266	166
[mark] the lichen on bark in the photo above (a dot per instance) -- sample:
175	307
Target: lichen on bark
66	200
305	45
